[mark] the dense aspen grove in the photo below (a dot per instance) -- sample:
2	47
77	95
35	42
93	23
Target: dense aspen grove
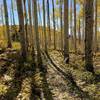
49	49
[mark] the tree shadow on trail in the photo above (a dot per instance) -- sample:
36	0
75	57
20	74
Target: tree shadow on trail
44	91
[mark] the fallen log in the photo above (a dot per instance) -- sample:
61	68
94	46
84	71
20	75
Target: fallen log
7	60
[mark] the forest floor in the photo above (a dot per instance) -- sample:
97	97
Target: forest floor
60	82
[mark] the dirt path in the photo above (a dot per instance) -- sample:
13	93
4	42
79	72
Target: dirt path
83	78
62	84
